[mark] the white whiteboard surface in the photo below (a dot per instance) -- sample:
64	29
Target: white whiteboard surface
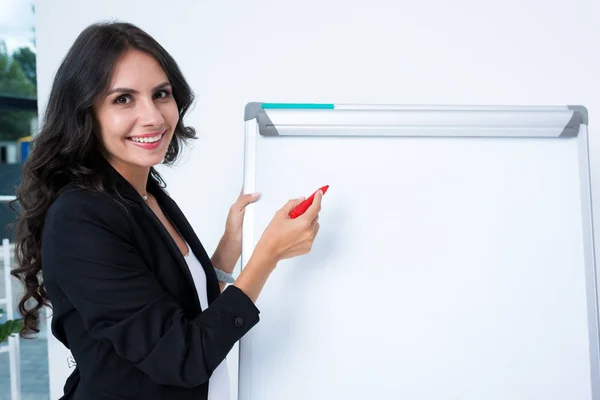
446	267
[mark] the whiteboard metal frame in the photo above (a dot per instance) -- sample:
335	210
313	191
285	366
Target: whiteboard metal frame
416	121
302	119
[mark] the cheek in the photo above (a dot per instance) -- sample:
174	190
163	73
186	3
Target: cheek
170	113
116	126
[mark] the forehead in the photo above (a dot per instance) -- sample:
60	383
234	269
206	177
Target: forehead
136	69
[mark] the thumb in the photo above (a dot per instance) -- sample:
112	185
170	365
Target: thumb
246	199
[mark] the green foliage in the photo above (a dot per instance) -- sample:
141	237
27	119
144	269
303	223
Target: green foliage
9	328
13	81
17	78
26	59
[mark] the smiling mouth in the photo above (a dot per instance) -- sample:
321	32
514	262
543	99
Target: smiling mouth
148	139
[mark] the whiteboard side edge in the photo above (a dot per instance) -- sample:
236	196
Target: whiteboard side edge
592	282
244	351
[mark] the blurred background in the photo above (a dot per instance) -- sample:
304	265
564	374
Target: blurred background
18	123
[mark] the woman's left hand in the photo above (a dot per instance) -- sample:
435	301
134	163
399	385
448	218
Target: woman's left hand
229	249
235	218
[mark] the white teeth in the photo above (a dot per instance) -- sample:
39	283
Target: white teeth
147	139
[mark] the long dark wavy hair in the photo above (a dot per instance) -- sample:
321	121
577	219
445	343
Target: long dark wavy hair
67	151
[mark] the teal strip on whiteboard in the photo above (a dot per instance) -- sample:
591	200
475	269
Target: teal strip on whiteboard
303	106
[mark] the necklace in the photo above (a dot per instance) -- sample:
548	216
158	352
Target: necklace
145	197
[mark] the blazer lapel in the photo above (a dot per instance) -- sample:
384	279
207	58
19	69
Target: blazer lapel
173	212
185	229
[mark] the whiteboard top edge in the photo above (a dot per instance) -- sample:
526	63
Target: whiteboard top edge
308	119
252	109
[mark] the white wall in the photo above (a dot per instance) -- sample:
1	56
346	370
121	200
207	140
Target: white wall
519	52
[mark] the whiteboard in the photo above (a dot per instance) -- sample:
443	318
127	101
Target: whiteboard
455	258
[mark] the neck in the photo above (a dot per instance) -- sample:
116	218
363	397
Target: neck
136	176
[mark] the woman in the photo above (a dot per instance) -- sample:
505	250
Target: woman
135	297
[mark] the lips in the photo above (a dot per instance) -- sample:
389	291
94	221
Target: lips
147	141
147	138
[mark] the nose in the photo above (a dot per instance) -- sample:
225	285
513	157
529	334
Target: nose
149	114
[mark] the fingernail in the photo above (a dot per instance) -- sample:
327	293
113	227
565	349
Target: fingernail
255	194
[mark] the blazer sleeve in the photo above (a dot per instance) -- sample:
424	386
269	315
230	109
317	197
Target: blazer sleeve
87	247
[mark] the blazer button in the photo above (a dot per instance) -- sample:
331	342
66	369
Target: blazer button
239	322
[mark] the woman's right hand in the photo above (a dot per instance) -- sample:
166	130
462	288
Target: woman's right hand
285	237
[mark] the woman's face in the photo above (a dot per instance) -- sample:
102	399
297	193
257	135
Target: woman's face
138	116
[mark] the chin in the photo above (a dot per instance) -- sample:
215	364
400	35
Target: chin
148	162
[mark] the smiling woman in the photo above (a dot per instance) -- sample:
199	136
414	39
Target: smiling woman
138	115
144	310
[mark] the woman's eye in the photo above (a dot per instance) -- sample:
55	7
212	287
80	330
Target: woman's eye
122	99
161	94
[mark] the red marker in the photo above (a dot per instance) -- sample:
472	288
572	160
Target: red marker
302	207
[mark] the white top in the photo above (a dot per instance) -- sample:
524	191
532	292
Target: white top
218	385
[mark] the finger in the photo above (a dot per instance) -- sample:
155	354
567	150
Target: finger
314	221
315	207
316	230
246	199
291	204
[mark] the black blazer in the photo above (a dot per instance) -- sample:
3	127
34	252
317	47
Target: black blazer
124	301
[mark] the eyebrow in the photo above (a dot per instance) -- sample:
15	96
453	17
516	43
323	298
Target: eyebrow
132	91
